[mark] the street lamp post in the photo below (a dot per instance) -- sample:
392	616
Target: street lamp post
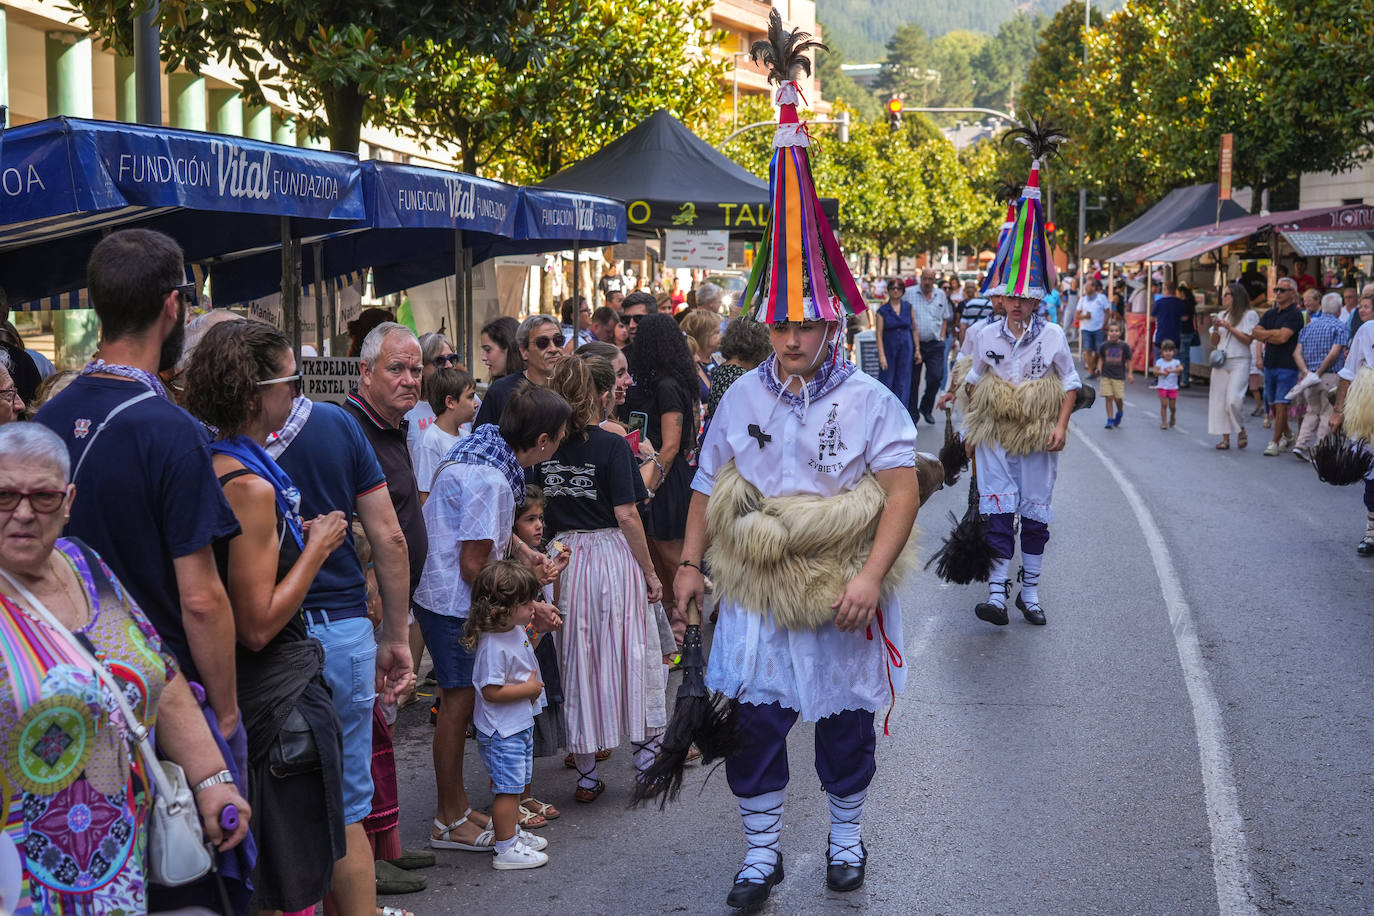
734	108
1083	192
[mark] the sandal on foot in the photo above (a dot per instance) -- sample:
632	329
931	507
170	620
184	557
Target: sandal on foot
393	880
1241	441
393	911
531	803
412	859
587	796
693	755
530	820
603	754
1222	446
485	841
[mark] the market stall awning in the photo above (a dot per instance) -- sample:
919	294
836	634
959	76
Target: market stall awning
68	181
545	221
412	213
1315	231
1181	209
670	178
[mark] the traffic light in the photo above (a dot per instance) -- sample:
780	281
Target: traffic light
894	111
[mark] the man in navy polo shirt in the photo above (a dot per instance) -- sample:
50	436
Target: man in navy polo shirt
324	452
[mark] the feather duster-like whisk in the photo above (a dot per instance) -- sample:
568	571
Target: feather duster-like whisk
1340	460
964	556
952	454
783	52
1039	136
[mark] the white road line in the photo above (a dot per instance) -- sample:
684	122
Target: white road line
1230	868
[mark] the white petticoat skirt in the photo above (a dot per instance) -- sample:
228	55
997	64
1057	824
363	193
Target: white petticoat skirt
817	672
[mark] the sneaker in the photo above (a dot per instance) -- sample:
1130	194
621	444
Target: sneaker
1287	441
533	841
1271	449
1117	418
1301	453
518	856
1111	424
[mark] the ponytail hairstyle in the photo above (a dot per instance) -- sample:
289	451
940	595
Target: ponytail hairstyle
229	362
573	380
498	590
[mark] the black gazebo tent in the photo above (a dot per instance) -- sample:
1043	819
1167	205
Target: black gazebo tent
1181	208
670	178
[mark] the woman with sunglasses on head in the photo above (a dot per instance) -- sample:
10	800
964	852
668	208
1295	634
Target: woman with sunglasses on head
242	381
437	353
74	786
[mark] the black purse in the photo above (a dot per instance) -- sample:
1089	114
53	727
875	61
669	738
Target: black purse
294	752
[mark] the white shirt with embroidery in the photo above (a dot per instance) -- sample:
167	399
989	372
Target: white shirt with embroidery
1040	349
1361	351
858	427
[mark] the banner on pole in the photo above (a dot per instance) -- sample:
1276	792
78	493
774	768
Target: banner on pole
1224	181
330	378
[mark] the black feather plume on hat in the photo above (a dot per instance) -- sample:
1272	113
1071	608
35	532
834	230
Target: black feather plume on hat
1341	461
1006	191
1038	136
784	52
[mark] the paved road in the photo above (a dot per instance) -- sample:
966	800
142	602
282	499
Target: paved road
1191	733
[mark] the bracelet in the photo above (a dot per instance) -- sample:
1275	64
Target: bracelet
218	779
690	565
662	474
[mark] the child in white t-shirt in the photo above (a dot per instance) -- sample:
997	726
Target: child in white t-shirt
453	395
1167	371
509	693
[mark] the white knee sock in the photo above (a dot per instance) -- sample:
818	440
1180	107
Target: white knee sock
845	814
762	816
1030	577
586	770
999	580
645	752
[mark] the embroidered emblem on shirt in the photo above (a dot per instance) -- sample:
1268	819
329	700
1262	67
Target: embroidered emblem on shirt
83	428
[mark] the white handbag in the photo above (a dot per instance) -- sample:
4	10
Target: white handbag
177	851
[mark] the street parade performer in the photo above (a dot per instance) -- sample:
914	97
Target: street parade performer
1022	387
806	494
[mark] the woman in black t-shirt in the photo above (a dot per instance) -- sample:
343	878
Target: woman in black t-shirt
608	647
665	389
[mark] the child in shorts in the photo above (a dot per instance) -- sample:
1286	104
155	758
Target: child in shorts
1167	372
1114	362
509	693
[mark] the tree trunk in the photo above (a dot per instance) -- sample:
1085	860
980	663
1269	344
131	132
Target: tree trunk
343	106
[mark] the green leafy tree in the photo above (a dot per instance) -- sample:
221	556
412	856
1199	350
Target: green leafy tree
583	85
1000	66
1165	79
952	55
351	59
907	68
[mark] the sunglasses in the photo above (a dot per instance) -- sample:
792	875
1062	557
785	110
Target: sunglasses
441	362
544	343
295	381
630	319
188	294
44	502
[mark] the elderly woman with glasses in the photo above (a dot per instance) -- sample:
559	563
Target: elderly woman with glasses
242	382
78	796
437	353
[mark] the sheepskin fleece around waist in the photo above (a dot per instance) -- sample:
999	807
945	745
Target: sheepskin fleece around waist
1359	405
792	556
1019	418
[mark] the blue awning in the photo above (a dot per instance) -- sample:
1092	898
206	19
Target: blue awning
64	182
547	221
412	214
408	237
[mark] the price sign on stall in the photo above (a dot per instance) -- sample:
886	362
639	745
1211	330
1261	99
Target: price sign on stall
330	378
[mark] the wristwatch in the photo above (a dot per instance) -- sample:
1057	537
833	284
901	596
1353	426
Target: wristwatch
218	779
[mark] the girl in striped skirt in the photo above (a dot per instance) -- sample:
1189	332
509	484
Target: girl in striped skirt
613	676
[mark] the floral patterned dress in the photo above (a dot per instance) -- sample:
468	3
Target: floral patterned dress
76	795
